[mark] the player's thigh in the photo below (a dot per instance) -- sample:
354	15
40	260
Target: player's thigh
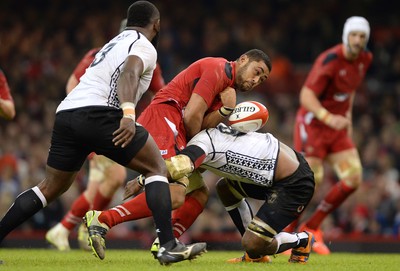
164	123
148	160
115	174
343	155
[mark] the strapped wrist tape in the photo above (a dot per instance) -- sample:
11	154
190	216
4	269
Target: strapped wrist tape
225	111
323	115
129	110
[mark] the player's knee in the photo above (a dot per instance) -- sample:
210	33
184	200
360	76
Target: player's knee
254	245
259	238
349	171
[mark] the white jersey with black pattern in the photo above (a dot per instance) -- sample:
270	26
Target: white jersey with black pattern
98	86
249	158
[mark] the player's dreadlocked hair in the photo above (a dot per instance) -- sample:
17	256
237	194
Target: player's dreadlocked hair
257	55
141	14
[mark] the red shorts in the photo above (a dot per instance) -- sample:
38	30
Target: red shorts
164	122
318	140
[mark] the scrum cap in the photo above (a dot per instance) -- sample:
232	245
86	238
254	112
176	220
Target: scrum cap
355	23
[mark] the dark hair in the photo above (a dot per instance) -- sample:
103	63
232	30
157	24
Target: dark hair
257	55
141	14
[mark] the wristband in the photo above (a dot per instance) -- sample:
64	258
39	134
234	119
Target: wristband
140	180
323	115
225	111
129	110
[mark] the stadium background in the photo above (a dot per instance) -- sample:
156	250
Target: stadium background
42	41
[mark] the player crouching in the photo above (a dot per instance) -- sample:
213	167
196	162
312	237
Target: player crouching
250	167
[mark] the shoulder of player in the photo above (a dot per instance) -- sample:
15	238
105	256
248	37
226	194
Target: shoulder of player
211	61
367	54
218	66
330	55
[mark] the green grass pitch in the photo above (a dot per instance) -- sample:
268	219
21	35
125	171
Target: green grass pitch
137	260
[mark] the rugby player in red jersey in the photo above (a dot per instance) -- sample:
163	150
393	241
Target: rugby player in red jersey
323	127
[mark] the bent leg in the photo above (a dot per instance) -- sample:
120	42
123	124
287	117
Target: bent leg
32	200
235	204
137	208
193	205
347	166
114	177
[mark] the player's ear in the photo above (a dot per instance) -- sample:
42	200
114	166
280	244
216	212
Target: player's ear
157	26
243	59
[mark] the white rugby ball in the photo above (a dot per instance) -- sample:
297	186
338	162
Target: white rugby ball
248	116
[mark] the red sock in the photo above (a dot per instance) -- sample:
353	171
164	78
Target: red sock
133	209
100	202
184	216
78	209
338	193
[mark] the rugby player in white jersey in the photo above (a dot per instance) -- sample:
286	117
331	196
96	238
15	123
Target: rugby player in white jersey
99	116
258	166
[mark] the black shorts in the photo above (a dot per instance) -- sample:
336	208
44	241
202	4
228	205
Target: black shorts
286	199
80	131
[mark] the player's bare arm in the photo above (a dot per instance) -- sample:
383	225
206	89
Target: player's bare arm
228	99
71	83
194	114
309	100
127	87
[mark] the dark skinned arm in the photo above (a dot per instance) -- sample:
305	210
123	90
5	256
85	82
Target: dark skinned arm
128	84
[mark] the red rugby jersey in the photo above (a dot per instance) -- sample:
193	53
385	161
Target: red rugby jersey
334	78
206	77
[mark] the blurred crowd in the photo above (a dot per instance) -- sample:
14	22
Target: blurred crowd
41	41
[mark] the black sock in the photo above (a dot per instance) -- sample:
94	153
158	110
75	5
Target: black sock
25	206
237	216
159	201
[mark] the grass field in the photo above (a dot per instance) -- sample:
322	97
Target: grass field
137	260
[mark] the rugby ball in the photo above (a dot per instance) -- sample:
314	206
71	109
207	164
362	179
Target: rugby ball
248	116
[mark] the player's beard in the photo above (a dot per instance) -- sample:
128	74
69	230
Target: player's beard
154	41
354	51
240	85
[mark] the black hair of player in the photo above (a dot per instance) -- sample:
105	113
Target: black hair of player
141	14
